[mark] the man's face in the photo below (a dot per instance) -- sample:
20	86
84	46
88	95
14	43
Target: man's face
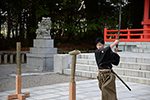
99	46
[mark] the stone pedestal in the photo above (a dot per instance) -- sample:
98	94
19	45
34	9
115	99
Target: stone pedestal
61	62
42	54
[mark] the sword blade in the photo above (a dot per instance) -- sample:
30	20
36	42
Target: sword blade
119	24
119	21
121	81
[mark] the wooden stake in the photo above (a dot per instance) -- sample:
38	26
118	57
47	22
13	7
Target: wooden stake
73	68
18	84
72	83
18	94
72	90
18	58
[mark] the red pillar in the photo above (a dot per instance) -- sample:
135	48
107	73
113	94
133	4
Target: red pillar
105	32
146	22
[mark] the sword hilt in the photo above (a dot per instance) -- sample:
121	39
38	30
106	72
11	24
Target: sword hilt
117	44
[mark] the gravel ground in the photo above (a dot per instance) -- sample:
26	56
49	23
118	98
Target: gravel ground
7	82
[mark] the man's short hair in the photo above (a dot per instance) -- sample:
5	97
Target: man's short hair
101	40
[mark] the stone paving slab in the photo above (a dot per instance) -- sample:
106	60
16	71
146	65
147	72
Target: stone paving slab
85	90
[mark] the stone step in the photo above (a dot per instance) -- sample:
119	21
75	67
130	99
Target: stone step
124	57
91	74
133	67
87	67
86	56
141	50
128	46
133	73
135	63
135	79
135	59
128	65
122	65
86	61
136	66
121	71
144	46
37	51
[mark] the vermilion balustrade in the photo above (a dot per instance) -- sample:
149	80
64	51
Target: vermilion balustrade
128	35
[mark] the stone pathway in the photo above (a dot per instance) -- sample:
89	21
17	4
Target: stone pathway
85	90
30	77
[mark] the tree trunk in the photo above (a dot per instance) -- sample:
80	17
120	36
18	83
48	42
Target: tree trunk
33	24
13	35
21	35
9	26
16	27
0	23
28	30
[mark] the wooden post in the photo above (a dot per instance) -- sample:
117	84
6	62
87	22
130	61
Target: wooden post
18	94
18	76
72	83
18	58
146	18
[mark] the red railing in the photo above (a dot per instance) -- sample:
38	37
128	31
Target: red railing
128	35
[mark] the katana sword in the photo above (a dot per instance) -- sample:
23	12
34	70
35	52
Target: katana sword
115	73
117	47
119	23
120	79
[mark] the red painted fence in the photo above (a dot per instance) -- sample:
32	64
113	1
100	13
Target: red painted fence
128	35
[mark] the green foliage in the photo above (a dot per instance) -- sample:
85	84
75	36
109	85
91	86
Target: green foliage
67	22
59	44
32	30
41	11
95	24
67	26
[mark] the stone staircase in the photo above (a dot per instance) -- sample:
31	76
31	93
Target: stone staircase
145	48
137	47
133	67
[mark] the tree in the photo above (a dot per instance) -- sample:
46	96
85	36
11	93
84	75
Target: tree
68	24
